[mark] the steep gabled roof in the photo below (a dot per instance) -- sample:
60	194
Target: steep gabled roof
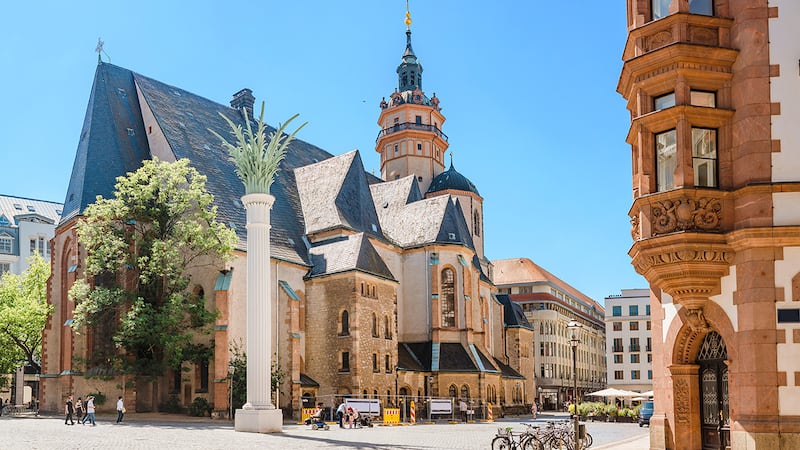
410	220
335	193
344	254
186	118
112	142
513	316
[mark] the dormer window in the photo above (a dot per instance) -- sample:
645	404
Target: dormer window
4	221
6	244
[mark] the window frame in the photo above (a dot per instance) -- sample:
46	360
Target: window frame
666	159
714	160
447	298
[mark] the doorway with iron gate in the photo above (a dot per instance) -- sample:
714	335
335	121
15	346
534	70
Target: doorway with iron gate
714	413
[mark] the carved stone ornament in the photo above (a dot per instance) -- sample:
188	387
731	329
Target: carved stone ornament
703	214
659	39
697	320
702	35
681	390
635	232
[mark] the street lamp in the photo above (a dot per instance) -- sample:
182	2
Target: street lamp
231	371
574	329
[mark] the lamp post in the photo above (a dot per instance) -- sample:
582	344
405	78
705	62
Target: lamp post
574	329
396	403
231	371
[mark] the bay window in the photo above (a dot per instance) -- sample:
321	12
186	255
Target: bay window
666	160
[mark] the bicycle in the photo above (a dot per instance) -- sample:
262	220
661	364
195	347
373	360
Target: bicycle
506	439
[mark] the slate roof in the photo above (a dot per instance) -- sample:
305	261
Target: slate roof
21	207
507	371
452	179
313	191
334	193
106	148
453	357
410	220
513	316
353	252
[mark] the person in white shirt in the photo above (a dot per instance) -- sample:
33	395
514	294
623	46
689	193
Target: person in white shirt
120	409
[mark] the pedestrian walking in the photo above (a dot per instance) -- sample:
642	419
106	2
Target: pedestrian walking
462	406
89	410
79	410
340	414
69	409
534	410
120	409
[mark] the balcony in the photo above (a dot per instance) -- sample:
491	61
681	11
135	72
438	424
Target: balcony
617	349
701	210
411	126
634	348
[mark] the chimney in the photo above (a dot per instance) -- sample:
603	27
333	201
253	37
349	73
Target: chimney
244	99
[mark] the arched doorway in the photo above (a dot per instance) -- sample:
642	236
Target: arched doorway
714	415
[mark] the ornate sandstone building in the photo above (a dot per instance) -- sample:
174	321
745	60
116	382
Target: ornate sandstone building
381	284
712	89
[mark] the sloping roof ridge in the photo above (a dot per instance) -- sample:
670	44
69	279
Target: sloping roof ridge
549	276
15	197
176	88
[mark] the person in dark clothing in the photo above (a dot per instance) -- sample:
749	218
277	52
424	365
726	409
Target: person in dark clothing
69	409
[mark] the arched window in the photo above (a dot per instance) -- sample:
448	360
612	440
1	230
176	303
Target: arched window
345	324
387	329
374	325
453	391
448	298
465	392
476	223
375	393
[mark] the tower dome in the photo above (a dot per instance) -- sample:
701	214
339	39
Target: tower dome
452	179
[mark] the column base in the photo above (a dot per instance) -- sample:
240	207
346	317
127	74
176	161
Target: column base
258	420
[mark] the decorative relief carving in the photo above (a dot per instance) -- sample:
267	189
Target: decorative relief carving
682	402
697	320
702	214
679	256
659	39
705	36
635	231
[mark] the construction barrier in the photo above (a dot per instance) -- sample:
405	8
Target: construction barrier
489	413
308	412
413	418
391	415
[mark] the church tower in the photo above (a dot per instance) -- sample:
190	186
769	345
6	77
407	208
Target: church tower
411	141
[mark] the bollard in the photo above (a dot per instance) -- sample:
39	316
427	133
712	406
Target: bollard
489	413
413	418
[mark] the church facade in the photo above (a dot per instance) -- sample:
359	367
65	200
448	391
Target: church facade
712	89
381	285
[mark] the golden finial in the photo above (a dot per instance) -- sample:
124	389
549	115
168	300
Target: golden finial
408	17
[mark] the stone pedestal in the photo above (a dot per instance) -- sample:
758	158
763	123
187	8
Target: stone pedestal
259	420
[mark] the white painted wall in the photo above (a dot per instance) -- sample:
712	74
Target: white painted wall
725	299
784	50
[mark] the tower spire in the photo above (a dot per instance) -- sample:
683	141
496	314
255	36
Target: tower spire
410	70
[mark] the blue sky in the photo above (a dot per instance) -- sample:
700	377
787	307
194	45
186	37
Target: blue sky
528	89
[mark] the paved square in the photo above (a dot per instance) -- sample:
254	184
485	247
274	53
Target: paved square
153	431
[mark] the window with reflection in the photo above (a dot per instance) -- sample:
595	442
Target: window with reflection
704	157
666	160
703	7
660	8
703	98
664	101
448	298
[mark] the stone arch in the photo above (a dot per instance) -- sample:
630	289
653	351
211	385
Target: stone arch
687	339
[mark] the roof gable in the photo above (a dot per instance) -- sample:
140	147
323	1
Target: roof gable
112	141
345	254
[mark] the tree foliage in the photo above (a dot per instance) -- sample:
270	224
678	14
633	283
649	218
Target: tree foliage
141	247
256	159
23	315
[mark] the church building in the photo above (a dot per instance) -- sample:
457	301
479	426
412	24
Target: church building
381	285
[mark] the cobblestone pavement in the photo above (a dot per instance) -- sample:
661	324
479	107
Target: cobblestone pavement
151	431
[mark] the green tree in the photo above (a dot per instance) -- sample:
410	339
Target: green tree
141	247
238	376
23	315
